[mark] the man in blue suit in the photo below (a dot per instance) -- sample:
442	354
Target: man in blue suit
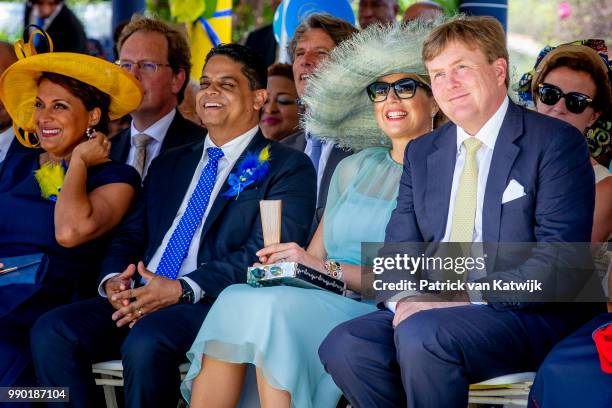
497	173
200	230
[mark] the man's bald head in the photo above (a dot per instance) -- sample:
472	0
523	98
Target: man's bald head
424	10
377	11
7	58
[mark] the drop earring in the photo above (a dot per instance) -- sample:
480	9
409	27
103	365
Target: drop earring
433	116
89	132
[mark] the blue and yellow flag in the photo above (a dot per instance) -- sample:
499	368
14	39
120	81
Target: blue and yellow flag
208	22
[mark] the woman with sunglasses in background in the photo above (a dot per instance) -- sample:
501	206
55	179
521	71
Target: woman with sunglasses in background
373	96
572	83
279	116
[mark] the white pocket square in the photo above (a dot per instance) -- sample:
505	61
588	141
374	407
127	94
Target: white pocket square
513	191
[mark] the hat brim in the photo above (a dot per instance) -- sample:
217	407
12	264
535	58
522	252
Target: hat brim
338	108
18	84
572	51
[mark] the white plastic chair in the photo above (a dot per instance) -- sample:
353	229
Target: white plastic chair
510	389
109	374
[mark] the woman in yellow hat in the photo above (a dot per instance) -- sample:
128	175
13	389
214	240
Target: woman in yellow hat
58	202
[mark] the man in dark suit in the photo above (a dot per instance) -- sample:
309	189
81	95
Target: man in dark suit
8	142
497	173
262	41
64	28
159	57
201	231
312	42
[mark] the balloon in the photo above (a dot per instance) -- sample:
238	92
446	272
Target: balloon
298	10
277	23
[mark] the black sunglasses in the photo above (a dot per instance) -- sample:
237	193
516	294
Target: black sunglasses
404	88
575	102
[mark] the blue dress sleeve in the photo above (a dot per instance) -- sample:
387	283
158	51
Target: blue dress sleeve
112	172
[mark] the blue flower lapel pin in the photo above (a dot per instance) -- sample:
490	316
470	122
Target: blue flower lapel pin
252	169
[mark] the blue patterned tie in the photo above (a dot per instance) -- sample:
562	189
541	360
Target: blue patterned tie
178	245
315	151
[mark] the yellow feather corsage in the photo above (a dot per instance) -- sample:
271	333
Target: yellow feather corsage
50	178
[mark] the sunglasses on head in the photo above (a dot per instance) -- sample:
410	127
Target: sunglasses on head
575	102
404	89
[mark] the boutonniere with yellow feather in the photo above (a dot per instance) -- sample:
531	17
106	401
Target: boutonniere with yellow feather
253	169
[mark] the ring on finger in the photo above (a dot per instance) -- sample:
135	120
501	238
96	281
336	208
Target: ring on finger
139	311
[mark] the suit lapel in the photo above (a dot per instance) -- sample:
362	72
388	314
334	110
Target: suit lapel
335	157
220	202
296	141
174	134
174	188
120	146
504	155
440	169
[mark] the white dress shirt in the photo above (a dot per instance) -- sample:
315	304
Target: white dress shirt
6	138
157	132
326	148
231	152
488	136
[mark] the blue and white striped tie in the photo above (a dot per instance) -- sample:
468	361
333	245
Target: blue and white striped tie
178	245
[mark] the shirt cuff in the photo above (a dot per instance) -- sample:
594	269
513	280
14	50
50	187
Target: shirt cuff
475	297
198	293
101	290
391	304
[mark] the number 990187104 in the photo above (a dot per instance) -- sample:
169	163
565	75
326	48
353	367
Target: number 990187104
34	394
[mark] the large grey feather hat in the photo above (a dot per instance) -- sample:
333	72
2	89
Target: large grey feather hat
338	108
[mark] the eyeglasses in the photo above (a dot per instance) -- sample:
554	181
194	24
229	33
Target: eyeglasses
146	67
404	88
575	102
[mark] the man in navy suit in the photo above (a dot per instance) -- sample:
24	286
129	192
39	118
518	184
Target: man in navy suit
62	25
201	232
158	56
497	173
8	142
312	42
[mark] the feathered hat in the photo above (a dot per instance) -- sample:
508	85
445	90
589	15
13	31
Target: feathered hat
339	109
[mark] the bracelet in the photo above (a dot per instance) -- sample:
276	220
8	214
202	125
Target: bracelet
333	269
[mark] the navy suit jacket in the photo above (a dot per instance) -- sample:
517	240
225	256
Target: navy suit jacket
14	148
66	31
548	157
181	132
262	41
232	231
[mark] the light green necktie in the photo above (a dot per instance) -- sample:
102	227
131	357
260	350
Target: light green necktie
464	211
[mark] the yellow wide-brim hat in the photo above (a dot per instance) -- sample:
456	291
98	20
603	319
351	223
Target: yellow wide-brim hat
18	84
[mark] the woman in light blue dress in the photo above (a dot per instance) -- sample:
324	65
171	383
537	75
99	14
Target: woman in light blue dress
387	103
